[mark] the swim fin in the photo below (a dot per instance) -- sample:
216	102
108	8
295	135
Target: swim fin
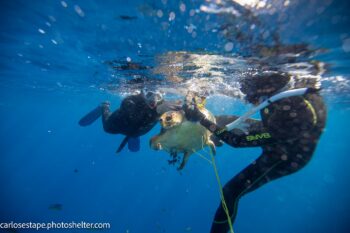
91	117
133	144
122	144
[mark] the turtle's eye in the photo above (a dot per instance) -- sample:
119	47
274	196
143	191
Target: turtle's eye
168	118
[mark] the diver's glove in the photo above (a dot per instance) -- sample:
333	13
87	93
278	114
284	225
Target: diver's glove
192	112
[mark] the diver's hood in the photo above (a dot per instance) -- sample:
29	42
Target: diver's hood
263	85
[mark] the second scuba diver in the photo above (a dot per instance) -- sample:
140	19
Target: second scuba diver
288	133
137	115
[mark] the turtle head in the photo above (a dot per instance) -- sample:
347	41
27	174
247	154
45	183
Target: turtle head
171	119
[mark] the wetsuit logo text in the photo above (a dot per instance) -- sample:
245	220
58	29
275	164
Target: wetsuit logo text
258	137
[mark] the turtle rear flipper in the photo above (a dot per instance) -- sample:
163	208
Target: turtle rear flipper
184	160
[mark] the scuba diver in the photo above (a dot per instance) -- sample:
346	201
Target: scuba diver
137	115
291	124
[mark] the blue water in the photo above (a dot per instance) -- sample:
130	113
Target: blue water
56	63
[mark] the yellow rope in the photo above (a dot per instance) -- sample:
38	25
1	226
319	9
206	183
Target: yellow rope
222	197
224	206
202	156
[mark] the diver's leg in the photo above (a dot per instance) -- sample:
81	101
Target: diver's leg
293	160
242	183
274	163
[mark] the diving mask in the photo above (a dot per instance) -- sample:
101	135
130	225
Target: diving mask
153	99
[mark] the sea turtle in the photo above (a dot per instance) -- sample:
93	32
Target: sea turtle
179	135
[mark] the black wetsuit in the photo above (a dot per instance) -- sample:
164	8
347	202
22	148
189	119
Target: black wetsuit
134	117
288	134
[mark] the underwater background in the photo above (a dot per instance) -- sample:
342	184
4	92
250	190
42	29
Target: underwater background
60	59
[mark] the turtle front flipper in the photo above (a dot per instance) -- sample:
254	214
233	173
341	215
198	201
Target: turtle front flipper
154	143
212	147
173	153
174	157
184	160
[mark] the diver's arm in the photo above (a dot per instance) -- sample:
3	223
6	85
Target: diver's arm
283	124
256	136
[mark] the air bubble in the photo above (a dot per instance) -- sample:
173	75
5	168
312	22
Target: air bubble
346	45
64	4
228	46
41	31
160	13
79	11
182	7
192	12
172	16
53	19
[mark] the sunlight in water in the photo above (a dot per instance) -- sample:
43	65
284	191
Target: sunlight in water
250	3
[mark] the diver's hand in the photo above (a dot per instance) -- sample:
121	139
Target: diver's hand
192	112
105	106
